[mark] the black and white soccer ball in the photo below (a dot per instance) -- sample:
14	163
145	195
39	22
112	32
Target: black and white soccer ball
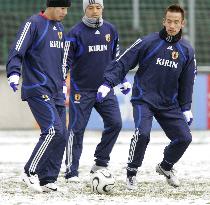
102	182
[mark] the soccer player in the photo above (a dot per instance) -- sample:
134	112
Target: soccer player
93	43
38	48
163	87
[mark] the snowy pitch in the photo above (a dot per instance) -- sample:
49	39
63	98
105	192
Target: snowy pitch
193	170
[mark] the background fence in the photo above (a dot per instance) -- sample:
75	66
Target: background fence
133	18
122	13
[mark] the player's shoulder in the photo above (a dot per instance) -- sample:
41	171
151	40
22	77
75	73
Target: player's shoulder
151	37
76	28
109	25
31	22
36	21
36	18
186	45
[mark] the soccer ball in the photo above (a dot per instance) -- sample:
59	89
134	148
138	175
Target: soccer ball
102	182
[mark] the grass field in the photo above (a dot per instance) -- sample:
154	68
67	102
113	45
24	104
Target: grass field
193	170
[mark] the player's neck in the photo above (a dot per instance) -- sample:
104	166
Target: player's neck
170	39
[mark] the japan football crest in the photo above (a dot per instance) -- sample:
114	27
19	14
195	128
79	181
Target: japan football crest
45	97
60	35
175	55
108	37
77	97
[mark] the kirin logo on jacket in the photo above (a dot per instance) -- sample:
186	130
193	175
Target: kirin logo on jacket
166	63
97	48
56	44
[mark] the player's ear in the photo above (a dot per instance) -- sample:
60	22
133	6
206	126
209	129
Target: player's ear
183	24
164	20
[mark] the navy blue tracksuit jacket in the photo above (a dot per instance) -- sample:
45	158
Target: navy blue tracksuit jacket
90	50
38	49
163	86
165	74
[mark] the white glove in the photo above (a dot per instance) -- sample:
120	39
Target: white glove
188	116
103	90
126	88
13	81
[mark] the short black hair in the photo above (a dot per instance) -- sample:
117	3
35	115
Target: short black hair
175	8
58	3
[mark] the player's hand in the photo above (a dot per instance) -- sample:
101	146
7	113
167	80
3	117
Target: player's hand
64	89
103	90
126	87
13	81
188	116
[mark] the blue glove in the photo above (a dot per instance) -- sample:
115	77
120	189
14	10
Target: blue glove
13	81
126	87
64	89
103	90
188	116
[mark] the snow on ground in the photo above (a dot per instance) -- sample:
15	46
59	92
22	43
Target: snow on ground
193	170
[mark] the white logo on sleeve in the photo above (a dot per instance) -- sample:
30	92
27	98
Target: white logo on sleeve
54	28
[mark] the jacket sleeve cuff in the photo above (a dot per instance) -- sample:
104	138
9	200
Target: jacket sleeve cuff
185	107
